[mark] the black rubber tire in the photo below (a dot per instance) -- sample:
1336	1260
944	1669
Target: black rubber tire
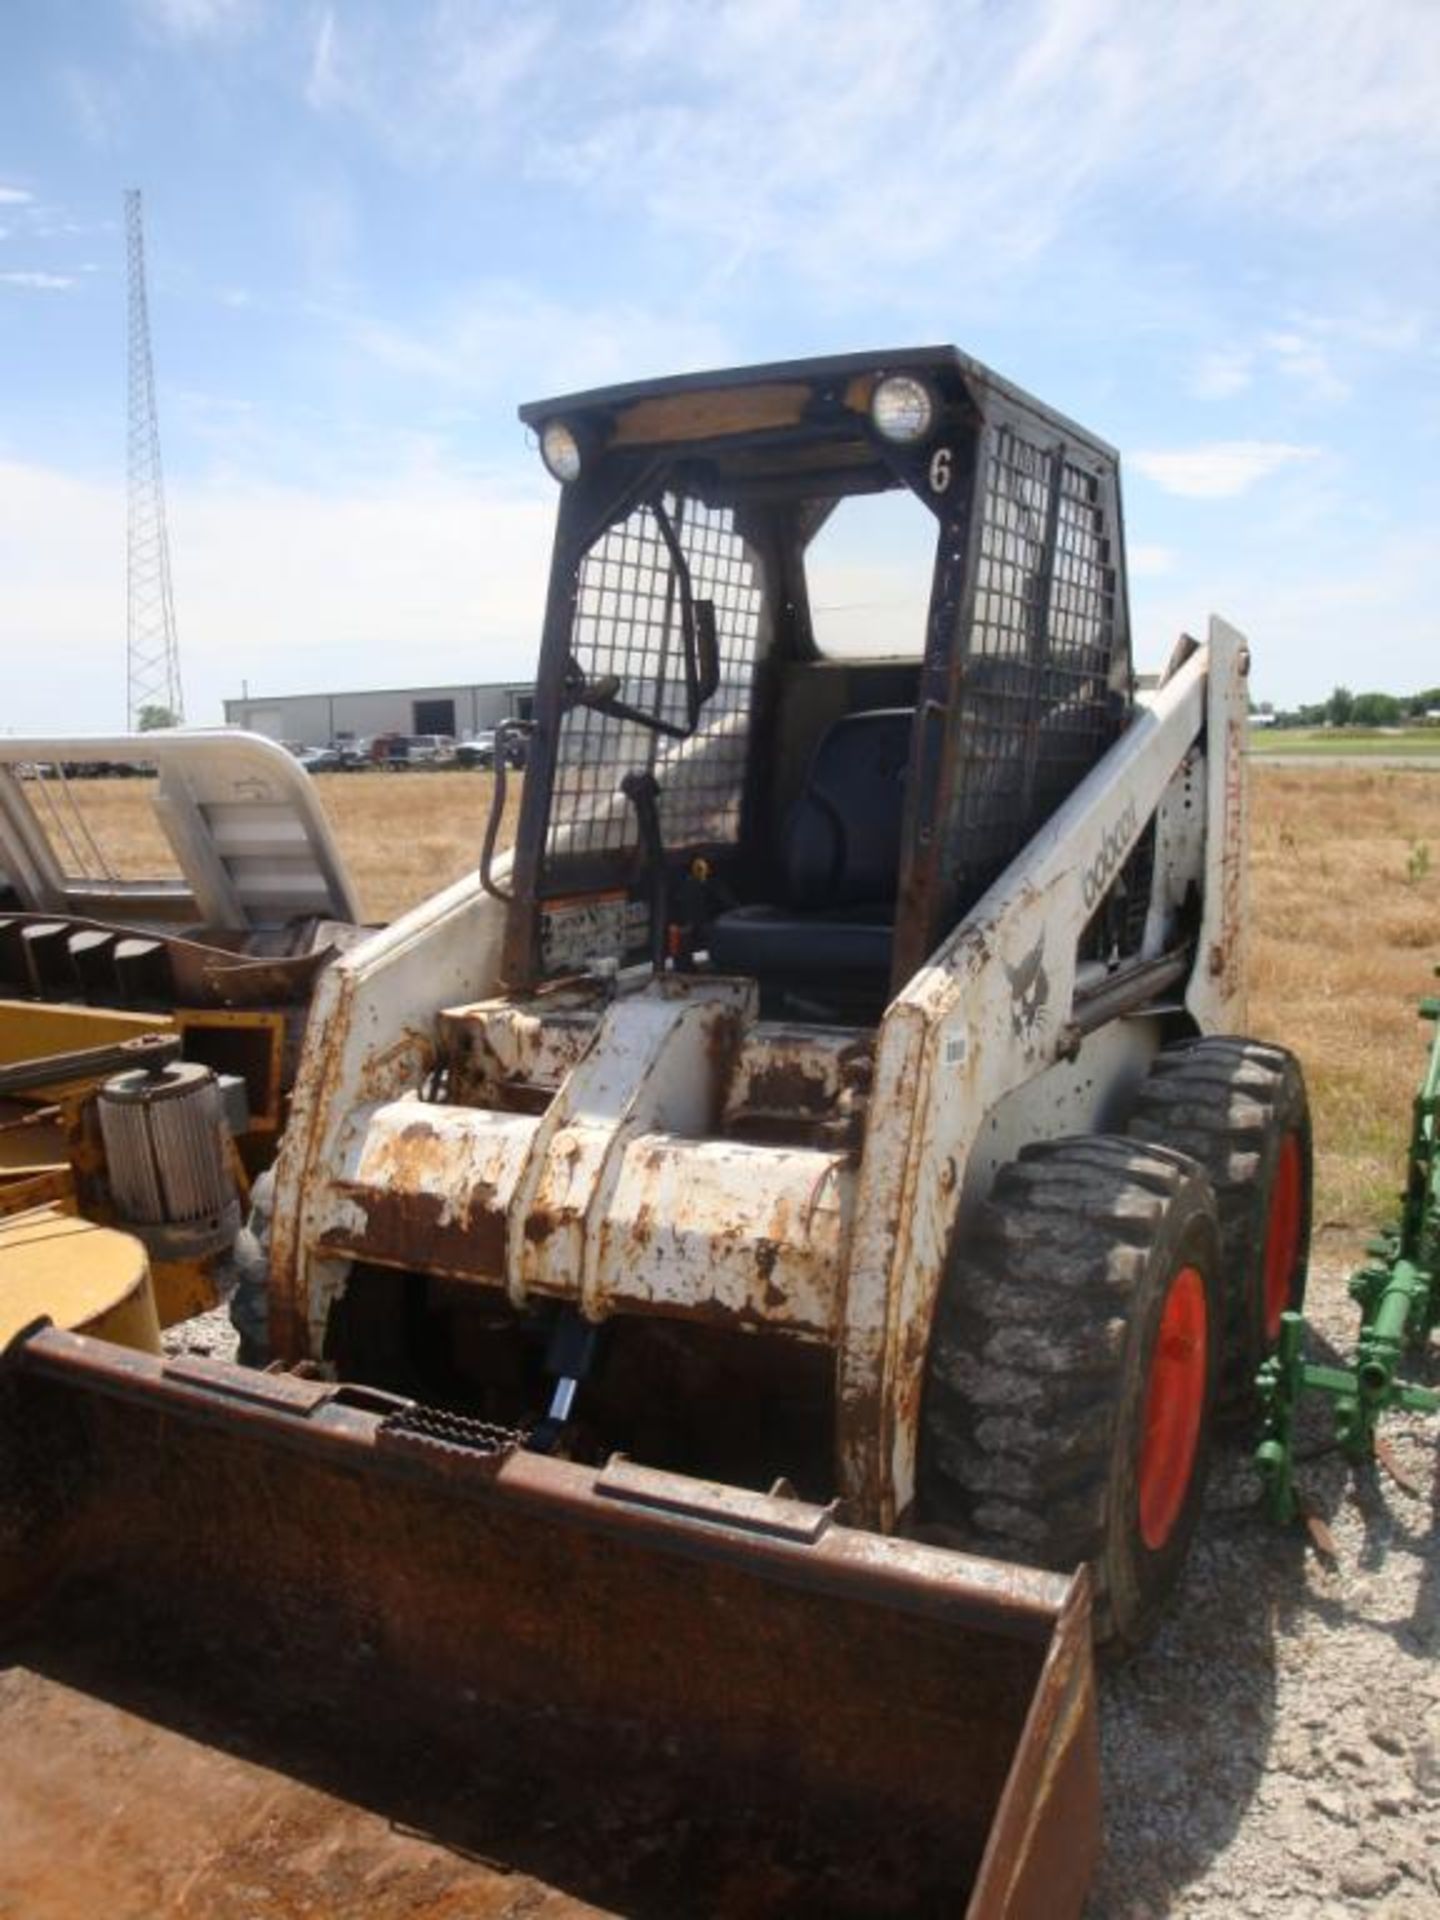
1039	1364
1230	1103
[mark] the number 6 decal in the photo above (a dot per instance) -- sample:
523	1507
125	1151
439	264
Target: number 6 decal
940	470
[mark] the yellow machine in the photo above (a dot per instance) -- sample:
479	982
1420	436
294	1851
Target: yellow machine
85	1278
101	1117
152	1003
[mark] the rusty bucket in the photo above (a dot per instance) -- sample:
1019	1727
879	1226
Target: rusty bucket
275	1645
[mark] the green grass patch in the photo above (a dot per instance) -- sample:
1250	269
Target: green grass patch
1346	742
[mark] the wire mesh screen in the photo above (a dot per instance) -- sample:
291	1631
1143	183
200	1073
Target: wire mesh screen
628	629
1040	682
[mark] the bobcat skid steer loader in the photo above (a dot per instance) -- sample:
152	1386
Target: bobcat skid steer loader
748	1270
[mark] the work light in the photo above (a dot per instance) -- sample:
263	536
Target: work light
902	408
560	451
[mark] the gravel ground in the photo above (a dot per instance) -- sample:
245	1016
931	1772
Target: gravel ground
208	1334
1276	1752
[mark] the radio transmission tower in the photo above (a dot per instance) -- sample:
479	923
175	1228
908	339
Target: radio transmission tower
152	652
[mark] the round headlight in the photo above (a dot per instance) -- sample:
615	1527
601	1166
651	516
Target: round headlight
902	408
560	450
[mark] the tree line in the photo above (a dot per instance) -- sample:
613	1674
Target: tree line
1347	709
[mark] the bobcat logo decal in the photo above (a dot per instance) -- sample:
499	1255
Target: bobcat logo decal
1029	993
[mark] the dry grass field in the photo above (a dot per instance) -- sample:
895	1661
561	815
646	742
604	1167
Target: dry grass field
1344	932
1345	935
406	835
403	836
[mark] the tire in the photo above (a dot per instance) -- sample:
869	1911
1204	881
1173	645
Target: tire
1058	1426
1239	1108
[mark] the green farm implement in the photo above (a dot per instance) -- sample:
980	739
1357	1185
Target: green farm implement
1398	1293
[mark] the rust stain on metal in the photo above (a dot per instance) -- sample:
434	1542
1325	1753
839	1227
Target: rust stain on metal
800	1087
540	1223
789	1086
410	1229
911	1384
859	1417
1045	1840
722	1039
313	1587
510	1054
393	1068
727	1233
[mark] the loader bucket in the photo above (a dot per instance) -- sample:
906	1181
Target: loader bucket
273	1646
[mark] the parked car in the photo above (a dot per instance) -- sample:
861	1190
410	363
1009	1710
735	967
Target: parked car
391	750
431	749
478	749
321	759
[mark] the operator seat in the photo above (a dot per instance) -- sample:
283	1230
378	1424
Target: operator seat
840	864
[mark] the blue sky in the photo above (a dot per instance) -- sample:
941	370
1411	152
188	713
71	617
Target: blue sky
1209	231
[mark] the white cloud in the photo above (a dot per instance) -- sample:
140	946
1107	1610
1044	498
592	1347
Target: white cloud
324	87
14	197
503	338
1359	617
37	282
197	19
96	104
1299	357
326	220
1324	356
1149	562
1222	373
1380	327
858	141
432	577
440	80
1219	470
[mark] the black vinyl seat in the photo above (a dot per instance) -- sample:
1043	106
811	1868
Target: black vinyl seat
840	860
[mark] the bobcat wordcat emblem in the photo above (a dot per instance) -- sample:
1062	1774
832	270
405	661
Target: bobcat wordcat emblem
1029	992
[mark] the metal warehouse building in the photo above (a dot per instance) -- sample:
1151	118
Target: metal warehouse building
315	719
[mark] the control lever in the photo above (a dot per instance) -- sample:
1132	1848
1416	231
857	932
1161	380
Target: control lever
642	790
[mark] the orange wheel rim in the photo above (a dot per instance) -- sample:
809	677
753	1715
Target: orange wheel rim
1282	1235
1174	1407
